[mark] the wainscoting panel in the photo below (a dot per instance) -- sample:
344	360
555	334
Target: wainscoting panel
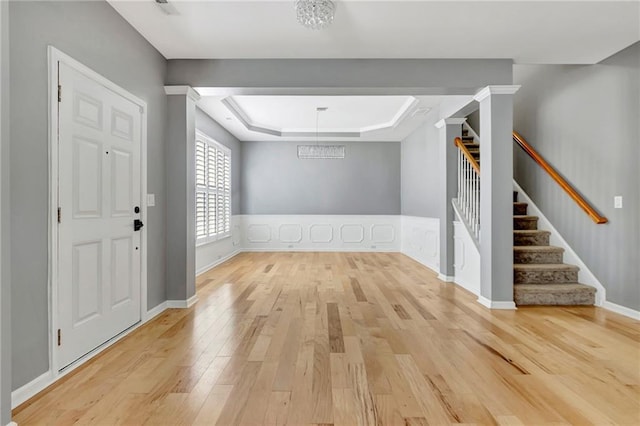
290	233
259	233
420	240
321	233
466	259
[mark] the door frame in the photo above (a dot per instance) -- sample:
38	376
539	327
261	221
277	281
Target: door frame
55	56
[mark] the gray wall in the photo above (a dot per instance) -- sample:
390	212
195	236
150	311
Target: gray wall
585	121
473	120
5	225
275	181
411	76
211	128
421	180
94	34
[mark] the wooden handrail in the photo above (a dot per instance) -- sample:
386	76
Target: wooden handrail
467	154
597	218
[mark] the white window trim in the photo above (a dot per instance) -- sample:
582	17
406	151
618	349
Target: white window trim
209	140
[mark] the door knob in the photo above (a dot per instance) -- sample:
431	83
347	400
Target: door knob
137	225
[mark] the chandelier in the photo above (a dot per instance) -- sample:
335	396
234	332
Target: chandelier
315	14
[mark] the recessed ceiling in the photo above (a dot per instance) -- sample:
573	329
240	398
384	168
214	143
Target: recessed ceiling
578	32
347	118
310	115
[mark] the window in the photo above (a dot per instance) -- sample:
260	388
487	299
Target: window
213	190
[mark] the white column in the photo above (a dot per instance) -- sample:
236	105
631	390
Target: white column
180	164
450	128
496	200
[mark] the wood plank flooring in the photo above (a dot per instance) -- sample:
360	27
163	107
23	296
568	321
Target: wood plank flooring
353	339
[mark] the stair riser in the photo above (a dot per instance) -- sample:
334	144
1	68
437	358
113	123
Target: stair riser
520	209
574	298
538	257
545	277
525	224
531	240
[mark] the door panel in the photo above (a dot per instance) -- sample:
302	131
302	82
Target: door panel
87	178
87	282
121	174
99	186
121	270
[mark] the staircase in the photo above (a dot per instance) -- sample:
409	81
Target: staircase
471	144
540	276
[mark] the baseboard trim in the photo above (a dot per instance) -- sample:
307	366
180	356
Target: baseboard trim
434	268
23	393
192	300
182	304
496	305
446	278
217	262
320	250
154	312
40	383
622	310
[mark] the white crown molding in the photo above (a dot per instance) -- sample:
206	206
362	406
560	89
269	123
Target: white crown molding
450	121
405	111
496	305
182	90
495	90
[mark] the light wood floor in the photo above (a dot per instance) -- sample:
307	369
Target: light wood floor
348	339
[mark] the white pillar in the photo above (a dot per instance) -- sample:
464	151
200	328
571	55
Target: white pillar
180	164
450	128
496	199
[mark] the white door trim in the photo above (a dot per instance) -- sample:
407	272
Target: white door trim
55	56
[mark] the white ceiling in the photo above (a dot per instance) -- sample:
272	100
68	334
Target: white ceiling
348	118
526	31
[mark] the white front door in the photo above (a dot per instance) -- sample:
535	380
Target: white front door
99	193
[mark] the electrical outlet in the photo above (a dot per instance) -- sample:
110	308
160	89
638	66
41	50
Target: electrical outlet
617	201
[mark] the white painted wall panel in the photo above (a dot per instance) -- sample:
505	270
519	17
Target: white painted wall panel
321	233
420	240
466	259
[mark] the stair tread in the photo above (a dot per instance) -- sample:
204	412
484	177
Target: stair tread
538	248
531	231
524	216
545	267
520	203
554	288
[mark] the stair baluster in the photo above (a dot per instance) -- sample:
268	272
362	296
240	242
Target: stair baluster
469	188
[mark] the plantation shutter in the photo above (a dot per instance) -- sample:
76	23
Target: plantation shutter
213	189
